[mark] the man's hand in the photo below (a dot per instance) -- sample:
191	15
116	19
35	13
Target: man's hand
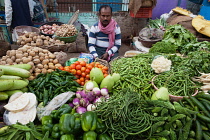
105	56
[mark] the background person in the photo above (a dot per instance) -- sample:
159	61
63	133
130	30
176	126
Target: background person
105	36
19	12
194	6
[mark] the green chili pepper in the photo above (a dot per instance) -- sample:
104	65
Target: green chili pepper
65	108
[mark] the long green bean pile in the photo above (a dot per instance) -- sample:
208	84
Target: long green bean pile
178	83
136	73
124	115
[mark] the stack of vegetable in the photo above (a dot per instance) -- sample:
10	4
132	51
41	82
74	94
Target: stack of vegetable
81	70
49	29
41	60
13	79
35	40
66	30
47	86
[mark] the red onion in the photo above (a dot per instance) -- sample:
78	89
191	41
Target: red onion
91	107
96	91
84	102
81	110
81	94
76	101
90	96
71	105
104	91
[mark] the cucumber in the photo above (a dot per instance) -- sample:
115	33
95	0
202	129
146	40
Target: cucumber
1	72
11	92
8	70
6	84
3	96
18	84
11	77
22	66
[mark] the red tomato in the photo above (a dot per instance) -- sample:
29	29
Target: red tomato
87	76
82	83
77	63
78	81
87	71
83	63
61	68
78	72
83	69
89	67
73	66
83	74
66	68
78	67
82	79
73	71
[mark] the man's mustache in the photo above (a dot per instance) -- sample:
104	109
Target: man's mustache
105	20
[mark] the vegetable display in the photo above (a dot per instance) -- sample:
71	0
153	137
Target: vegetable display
66	30
49	29
35	40
41	60
46	86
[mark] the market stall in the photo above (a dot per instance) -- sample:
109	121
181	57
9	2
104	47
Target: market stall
161	94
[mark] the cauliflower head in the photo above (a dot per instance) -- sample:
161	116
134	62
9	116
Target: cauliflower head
161	64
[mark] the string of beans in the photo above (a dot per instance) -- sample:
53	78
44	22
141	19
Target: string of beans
124	115
178	83
136	73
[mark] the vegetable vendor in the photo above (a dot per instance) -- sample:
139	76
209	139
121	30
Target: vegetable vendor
105	36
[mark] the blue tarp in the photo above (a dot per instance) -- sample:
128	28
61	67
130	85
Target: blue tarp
205	10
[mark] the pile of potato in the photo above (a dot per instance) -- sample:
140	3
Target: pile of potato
66	30
41	60
35	40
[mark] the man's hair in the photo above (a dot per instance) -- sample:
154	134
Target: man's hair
105	6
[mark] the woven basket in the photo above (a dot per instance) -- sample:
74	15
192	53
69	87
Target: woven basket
103	62
172	97
4	47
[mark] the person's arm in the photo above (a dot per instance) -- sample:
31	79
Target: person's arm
117	43
31	4
92	41
8	12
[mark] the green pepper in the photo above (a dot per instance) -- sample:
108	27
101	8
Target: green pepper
104	137
90	135
70	124
55	131
89	121
67	137
65	108
100	126
46	124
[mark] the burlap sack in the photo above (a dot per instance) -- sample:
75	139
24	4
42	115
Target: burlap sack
183	20
186	22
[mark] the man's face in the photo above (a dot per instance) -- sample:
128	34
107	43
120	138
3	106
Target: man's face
105	16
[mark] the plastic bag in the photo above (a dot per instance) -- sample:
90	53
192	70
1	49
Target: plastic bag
56	102
88	58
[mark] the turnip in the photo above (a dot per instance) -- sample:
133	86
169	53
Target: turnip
81	110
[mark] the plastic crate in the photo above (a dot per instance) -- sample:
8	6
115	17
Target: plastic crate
144	12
